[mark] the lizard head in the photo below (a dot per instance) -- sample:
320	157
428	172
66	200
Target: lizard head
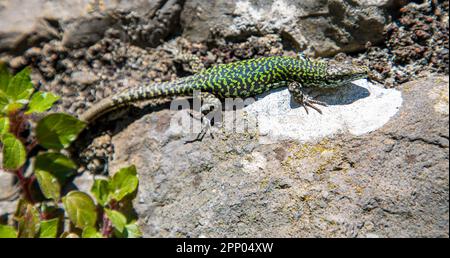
338	74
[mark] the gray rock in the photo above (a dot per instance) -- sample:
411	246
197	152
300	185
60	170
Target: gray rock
84	77
85	31
321	28
391	182
25	24
9	187
83	182
8	195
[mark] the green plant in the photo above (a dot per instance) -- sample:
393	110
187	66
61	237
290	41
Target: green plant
36	156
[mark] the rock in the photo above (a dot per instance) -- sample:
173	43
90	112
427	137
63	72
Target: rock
198	17
82	182
321	28
10	191
146	24
84	77
85	31
390	181
358	109
25	24
9	194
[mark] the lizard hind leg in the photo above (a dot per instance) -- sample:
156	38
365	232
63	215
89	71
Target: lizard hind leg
303	99
191	62
209	109
194	62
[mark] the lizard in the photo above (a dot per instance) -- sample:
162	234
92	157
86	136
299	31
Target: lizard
242	79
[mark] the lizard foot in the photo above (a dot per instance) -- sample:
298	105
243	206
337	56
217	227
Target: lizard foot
206	127
303	99
309	102
207	113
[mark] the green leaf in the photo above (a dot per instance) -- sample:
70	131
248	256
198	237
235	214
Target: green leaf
81	209
5	76
4	101
49	228
7	232
124	182
133	231
29	224
91	232
57	131
20	86
57	164
14	154
117	219
4	125
41	101
52	170
12	107
101	192
49	184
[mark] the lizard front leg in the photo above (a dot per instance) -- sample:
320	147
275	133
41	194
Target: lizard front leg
295	88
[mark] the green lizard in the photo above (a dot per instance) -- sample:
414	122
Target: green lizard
242	79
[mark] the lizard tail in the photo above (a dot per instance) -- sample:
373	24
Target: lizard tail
167	89
102	107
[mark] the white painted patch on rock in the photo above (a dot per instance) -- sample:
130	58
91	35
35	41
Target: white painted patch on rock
358	108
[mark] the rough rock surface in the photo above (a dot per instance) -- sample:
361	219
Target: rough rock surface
83	23
8	194
321	28
416	42
392	182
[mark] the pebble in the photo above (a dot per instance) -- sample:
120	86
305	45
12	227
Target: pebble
84	77
17	62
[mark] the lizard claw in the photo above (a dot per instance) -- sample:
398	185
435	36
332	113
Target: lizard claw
303	99
307	102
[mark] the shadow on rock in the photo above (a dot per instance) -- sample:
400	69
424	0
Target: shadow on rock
338	96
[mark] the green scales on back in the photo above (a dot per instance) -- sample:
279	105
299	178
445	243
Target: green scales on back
239	79
243	78
250	77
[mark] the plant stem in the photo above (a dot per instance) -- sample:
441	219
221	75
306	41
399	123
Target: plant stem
25	184
18	121
107	228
